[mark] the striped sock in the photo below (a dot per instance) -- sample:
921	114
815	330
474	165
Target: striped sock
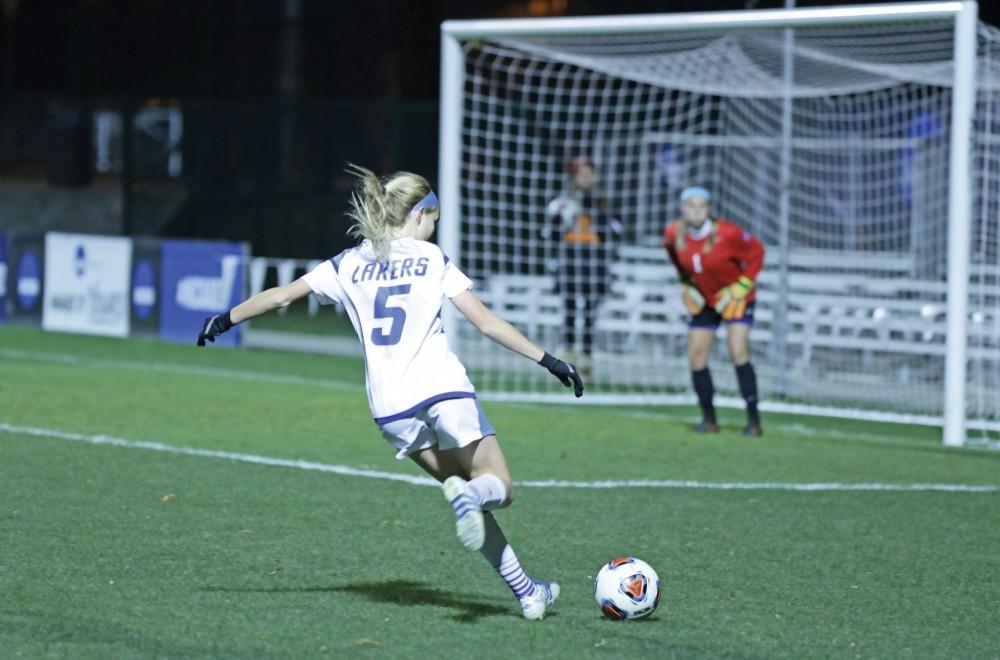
501	556
512	573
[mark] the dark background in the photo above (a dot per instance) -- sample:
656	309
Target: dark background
276	96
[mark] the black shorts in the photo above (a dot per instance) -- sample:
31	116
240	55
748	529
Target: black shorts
709	319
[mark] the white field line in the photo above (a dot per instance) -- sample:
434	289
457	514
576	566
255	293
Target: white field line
427	481
797	427
211	453
70	359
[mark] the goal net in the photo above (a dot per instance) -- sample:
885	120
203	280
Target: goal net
829	134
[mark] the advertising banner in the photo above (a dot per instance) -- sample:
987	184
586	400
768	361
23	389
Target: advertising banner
199	279
145	295
3	277
87	284
25	272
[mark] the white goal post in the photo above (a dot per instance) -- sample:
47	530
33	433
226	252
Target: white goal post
860	143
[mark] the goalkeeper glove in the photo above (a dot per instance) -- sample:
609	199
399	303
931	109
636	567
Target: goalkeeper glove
564	371
693	300
731	302
213	327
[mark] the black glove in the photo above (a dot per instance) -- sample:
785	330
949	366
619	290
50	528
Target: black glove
564	371
213	327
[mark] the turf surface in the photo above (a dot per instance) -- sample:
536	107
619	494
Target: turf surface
112	551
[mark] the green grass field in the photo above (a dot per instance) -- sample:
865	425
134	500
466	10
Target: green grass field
124	551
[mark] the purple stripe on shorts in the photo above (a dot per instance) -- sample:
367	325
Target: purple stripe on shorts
426	403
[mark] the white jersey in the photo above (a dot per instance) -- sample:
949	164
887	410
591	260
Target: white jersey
395	306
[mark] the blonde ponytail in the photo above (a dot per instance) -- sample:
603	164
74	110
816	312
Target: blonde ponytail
380	206
682	234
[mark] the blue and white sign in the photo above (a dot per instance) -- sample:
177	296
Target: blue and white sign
199	279
143	289
3	277
29	281
145	320
87	284
25	258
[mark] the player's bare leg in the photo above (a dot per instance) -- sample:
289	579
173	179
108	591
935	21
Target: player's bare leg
439	464
446	467
486	458
700	342
738	339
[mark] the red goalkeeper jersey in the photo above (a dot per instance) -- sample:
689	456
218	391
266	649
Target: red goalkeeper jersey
735	252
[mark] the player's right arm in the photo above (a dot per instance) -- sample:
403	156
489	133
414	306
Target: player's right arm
692	298
261	303
269	300
669	238
511	338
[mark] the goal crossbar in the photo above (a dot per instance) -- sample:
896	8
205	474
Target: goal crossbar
499	28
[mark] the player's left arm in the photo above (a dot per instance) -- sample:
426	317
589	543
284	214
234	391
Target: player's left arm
752	256
505	334
261	303
494	327
750	253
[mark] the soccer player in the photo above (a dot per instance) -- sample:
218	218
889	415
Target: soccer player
586	232
392	285
717	262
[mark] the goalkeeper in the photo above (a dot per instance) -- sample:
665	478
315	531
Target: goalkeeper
717	262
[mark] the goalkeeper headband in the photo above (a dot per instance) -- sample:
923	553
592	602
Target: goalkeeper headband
430	201
696	191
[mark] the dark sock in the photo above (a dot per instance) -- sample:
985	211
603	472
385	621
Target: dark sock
748	388
569	323
589	319
705	390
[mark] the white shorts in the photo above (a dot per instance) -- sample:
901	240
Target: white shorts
448	424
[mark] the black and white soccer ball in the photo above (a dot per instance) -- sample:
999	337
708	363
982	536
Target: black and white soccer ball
627	588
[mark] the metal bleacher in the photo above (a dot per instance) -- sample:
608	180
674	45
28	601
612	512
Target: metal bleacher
836	301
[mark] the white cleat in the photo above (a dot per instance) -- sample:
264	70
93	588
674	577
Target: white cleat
533	606
469	523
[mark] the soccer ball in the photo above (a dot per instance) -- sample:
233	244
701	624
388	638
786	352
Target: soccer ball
627	588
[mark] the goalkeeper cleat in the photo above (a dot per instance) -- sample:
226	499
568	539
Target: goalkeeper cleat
469	524
533	606
705	426
752	431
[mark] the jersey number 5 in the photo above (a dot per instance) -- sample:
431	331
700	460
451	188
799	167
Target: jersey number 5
398	315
